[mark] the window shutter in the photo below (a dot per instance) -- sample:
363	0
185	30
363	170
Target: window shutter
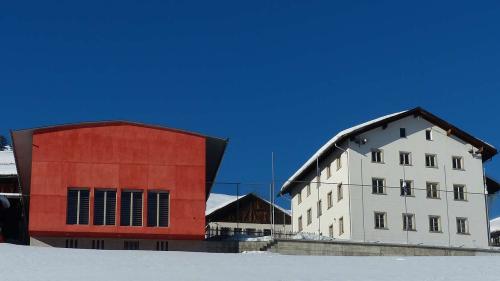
71	211
84	207
98	207
152	206
163	209
137	209
125	208
110	207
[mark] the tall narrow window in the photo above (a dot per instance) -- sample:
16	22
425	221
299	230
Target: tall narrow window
300	223
158	208
405	158
406	187
459	192
131	208
329	200
330	230
299	197
309	217
431	160
339	163
433	190
378	186
458	163
104	207
428	135
308	189
328	172
380	220
320	209
408	222
77	210
340	192
377	156
462	226
341	226
402	132
434	224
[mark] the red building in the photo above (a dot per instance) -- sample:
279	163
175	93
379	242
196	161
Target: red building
115	185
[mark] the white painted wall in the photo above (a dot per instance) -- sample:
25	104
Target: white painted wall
363	204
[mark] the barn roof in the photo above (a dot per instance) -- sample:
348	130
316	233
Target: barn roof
488	150
7	163
217	201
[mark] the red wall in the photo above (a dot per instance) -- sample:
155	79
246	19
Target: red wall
121	157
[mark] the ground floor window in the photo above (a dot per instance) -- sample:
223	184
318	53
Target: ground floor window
380	220
162	245
408	222
434	224
462	226
71	243
330	230
98	244
341	226
131	245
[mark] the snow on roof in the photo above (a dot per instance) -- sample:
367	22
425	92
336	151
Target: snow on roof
7	163
495	224
331	142
218	201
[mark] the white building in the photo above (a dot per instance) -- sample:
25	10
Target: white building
405	178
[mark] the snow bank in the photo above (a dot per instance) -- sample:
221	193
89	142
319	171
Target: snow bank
20	263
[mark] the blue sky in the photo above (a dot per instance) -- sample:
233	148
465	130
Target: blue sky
280	76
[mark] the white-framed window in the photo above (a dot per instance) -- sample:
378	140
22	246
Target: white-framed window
330	230
433	190
329	200
158	208
378	186
428	135
300	223
404	158
309	216
457	162
377	156
402	132
104	207
299	197
380	220
431	160
320	209
339	162
462	226
406	187
341	225
459	192
434	224
77	209
131	208
308	190
340	191
408	222
328	171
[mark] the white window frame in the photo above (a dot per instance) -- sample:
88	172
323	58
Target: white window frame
341	226
329	200
378	186
457	163
412	225
428	135
340	192
459	189
462	229
380	219
377	156
406	157
411	193
309	216
299	222
433	223
299	197
432	188
432	160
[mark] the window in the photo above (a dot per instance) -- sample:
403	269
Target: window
72	243
330	230
299	198
340	192
131	245
158	208
308	187
433	190
462	226
408	222
378	186
406	187
431	160
459	192
98	244
267	232
104	207
428	135
380	220
77	211
328	172
341	226
377	156
224	231
300	223
434	224
250	231
402	132
329	201
320	210
405	158
237	231
131	208
162	245
458	163
309	217
339	163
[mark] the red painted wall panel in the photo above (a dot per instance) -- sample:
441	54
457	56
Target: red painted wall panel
120	157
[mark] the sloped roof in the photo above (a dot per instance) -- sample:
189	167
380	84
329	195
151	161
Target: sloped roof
217	201
495	225
488	150
7	163
23	139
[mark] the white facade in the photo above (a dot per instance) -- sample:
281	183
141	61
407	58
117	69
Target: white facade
455	222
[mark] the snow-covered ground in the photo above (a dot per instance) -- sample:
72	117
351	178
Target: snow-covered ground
19	263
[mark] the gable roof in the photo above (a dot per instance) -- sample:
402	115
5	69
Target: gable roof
22	141
488	151
217	201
